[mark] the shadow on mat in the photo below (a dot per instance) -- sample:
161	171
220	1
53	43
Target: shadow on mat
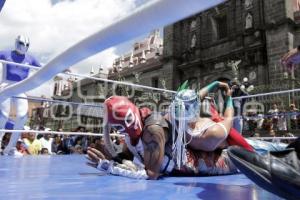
217	191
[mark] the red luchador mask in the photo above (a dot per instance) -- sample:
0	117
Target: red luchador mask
124	116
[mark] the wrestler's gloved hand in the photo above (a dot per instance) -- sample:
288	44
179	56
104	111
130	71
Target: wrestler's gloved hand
104	165
129	165
117	169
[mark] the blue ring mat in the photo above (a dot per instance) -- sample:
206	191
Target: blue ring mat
67	177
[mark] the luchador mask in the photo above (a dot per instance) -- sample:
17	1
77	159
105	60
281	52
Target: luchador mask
187	102
123	116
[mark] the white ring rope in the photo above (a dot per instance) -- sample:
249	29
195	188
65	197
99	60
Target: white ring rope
147	87
268	94
20	64
93	78
156	13
59	133
117	135
272	138
98	105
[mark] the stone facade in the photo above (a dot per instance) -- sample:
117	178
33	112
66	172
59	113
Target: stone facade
144	66
202	48
257	32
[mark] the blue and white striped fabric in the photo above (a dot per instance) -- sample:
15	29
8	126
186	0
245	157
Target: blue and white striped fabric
2	2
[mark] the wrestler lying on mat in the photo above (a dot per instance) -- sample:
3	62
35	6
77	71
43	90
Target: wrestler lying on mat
149	139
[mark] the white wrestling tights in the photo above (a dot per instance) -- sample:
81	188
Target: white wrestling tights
21	108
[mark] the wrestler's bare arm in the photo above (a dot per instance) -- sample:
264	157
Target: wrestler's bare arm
154	139
217	131
209	88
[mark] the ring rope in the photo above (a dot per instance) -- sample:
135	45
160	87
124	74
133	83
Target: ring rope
267	94
20	64
278	115
94	78
59	133
100	105
153	14
149	87
272	138
117	135
124	83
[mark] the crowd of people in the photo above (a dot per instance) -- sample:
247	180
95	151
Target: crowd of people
48	144
276	122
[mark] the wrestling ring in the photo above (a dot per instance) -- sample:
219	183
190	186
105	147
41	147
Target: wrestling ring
57	176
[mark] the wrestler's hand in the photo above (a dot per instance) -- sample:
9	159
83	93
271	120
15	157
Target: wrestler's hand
94	156
226	87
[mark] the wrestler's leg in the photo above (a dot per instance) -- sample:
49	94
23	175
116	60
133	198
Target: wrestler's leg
207	163
4	115
216	163
21	118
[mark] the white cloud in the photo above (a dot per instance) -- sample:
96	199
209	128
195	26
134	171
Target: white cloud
54	28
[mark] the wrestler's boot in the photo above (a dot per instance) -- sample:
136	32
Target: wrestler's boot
3	120
296	145
276	172
19	125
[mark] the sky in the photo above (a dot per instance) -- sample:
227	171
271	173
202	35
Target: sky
55	25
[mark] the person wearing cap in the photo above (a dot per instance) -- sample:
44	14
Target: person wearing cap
47	141
13	74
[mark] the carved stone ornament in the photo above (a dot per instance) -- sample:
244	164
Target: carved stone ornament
163	83
249	21
193	24
99	89
137	76
248	4
252	75
193	41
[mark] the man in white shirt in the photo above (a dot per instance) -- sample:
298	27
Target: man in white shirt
46	141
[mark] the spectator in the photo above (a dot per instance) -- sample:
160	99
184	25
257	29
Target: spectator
44	151
67	144
57	145
260	121
25	134
78	149
21	149
282	121
274	115
33	145
47	141
252	121
293	116
267	124
39	136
